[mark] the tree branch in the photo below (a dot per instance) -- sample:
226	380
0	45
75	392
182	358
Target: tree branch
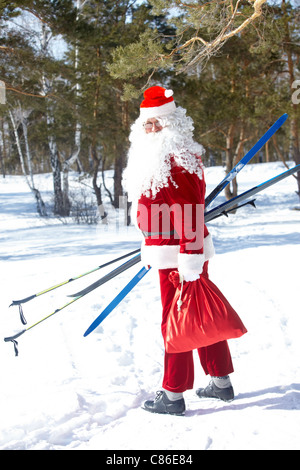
211	47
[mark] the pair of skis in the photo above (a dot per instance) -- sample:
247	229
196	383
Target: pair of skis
223	209
78	296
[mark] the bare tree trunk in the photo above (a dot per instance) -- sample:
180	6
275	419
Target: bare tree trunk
294	132
120	159
2	163
97	189
118	171
65	187
74	157
267	152
53	151
2	150
233	158
104	184
229	158
278	151
41	208
293	124
56	172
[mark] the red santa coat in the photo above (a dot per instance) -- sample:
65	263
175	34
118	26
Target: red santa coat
178	238
173	224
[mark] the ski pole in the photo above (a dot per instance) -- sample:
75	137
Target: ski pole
49	289
14	337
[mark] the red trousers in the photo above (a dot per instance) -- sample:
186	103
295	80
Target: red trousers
179	367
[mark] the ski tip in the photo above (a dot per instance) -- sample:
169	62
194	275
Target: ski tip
88	331
94	325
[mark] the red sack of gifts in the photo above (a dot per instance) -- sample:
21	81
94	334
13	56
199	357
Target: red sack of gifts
203	316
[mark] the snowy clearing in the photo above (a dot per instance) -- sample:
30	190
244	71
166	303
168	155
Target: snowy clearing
67	392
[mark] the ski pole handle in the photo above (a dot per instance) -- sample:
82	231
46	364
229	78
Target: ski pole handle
13	340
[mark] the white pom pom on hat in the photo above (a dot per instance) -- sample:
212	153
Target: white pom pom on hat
158	102
169	93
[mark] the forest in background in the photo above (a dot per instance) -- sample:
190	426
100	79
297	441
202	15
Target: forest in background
73	72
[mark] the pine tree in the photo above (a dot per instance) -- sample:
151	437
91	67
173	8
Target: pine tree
32	74
105	116
202	29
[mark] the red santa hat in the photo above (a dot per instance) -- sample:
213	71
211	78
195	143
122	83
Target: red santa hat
158	102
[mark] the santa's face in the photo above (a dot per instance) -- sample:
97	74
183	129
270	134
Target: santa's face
152	125
153	142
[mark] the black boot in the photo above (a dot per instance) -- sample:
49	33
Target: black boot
161	404
212	391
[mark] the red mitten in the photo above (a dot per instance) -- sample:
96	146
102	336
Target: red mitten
174	278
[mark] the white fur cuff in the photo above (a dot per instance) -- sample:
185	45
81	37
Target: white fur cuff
190	264
168	257
160	257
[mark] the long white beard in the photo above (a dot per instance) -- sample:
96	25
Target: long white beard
149	158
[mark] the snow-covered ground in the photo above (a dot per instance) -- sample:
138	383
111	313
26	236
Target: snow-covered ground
67	392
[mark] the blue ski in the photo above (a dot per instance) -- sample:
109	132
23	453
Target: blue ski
131	284
246	159
221	209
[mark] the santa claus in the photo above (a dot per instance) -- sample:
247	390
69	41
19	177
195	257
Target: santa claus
164	180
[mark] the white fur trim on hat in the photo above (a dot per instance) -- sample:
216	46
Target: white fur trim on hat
158	111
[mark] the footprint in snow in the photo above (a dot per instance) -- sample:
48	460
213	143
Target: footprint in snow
126	359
